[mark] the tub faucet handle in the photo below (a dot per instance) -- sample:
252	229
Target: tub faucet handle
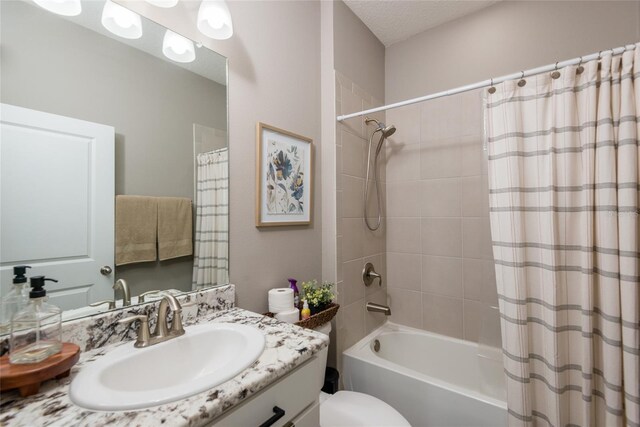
369	275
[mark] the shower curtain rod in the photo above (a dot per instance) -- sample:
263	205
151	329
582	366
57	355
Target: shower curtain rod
490	82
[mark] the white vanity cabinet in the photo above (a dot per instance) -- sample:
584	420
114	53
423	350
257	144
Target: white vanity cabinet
296	394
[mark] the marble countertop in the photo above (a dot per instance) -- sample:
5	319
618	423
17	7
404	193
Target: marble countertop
287	346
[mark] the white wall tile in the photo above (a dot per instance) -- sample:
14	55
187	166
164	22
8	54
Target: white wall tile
406	306
442	315
353	285
440	197
403	161
404	271
352	197
440	161
352	239
442	275
472	196
403	199
353	155
403	235
441	236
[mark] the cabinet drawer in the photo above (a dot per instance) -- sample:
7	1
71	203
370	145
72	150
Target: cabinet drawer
309	418
292	393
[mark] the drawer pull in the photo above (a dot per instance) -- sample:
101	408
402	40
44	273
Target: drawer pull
277	414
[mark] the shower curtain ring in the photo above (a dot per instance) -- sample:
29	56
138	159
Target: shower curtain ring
492	89
580	68
522	81
556	74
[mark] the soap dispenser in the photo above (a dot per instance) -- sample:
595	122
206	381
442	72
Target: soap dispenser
36	330
16	299
296	294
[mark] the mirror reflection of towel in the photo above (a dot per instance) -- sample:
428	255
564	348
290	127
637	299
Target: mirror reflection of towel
136	227
175	227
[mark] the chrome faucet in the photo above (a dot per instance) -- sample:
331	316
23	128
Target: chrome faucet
126	295
162	332
378	308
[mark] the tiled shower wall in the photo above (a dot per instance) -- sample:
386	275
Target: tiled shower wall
439	257
356	245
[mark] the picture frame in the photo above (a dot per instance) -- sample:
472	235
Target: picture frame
284	177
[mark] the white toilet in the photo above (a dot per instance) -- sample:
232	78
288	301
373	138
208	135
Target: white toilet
353	409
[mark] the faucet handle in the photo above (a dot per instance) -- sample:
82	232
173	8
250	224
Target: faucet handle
111	304
369	275
144	336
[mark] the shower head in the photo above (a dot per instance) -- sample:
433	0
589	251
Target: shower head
386	130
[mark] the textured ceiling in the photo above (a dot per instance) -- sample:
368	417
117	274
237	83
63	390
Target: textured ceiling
396	20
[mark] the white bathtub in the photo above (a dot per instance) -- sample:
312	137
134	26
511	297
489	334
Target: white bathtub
431	379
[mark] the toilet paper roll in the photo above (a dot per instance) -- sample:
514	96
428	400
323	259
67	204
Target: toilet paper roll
280	299
291	316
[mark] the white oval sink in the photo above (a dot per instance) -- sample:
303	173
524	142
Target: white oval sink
134	378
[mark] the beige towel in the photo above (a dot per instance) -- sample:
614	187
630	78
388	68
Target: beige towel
175	225
136	229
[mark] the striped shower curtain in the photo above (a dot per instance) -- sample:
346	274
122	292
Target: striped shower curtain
211	259
564	161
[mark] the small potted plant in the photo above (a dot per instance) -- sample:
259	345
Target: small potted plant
319	297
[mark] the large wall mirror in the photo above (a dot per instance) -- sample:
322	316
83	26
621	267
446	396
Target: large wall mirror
113	157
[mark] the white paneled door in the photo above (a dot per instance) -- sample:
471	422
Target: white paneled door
56	203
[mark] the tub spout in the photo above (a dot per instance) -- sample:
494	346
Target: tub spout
378	308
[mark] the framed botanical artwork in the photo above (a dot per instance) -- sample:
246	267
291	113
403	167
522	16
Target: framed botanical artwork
284	177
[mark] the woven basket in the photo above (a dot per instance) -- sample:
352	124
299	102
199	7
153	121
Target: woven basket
317	319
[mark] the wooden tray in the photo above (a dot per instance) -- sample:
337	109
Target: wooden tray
28	377
317	319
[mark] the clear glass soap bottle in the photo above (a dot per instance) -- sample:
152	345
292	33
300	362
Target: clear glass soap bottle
16	299
36	330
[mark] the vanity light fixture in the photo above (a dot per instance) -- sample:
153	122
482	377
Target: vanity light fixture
121	21
61	7
178	48
163	3
214	19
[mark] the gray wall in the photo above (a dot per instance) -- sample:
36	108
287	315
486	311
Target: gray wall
505	38
358	54
274	77
52	65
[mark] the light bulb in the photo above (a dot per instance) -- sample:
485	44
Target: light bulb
214	19
178	48
121	21
61	7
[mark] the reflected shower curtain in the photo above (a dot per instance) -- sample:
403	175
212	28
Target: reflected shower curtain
211	259
564	189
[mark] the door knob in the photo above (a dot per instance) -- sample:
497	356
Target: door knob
105	270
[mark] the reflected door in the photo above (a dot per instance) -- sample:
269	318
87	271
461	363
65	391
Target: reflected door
57	203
